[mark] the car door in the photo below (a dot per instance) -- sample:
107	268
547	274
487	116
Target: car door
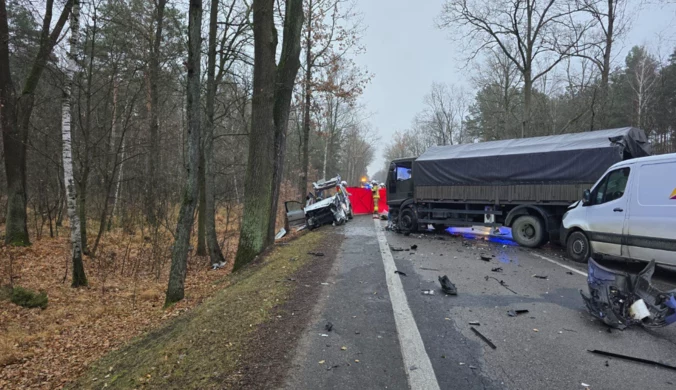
294	213
606	213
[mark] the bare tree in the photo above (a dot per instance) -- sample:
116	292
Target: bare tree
179	255
272	90
79	277
15	114
534	36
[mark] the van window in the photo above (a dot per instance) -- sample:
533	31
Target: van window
611	187
657	184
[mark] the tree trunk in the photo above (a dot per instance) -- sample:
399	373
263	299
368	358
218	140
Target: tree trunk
287	70
82	206
209	199
259	180
201	221
527	97
179	256
154	152
79	277
15	116
305	160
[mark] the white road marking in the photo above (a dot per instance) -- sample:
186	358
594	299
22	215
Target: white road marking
559	264
410	341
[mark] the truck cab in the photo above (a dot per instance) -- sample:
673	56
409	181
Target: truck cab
399	182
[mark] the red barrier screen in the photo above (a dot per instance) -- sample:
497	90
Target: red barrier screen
362	200
382	202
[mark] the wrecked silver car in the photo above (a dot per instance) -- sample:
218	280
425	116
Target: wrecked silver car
621	299
330	203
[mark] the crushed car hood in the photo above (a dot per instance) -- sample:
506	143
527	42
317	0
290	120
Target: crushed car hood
320	205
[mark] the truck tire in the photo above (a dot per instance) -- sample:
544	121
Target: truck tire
577	247
408	221
528	231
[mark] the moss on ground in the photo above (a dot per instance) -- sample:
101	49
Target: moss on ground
201	349
29	298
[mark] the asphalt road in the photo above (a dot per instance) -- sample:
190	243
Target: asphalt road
545	348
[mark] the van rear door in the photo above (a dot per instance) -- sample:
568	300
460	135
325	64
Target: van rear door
652	213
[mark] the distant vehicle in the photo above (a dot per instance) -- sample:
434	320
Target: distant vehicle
629	213
330	203
526	184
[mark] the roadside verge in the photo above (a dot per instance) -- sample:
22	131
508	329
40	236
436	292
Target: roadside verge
232	337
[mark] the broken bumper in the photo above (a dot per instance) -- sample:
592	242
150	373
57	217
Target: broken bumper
621	299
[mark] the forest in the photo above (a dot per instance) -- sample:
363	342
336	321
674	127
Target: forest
562	75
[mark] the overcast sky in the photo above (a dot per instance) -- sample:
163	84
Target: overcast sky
407	53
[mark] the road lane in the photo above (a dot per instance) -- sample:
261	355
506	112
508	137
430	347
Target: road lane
356	301
546	348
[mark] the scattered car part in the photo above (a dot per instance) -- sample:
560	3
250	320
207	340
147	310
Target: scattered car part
280	234
485	257
328	326
396	249
540	276
502	283
514	313
475	323
612	294
414	247
632	358
484	338
496	269
399	273
446	285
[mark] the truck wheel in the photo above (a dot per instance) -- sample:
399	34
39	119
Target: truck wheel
577	247
528	231
408	222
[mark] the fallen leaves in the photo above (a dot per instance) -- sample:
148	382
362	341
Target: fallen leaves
46	349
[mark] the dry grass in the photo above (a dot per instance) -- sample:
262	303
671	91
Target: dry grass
44	349
202	349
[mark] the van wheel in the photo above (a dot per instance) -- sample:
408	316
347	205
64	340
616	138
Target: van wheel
408	222
528	231
577	247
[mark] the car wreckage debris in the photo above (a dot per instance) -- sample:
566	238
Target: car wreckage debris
541	276
502	283
446	285
485	257
400	273
632	358
496	269
484	338
328	326
414	247
396	249
621	299
514	313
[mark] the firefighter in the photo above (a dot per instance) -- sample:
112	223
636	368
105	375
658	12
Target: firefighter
376	196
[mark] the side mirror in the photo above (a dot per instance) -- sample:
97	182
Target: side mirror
586	197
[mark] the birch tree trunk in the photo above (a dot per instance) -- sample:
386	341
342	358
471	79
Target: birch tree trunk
186	216
79	278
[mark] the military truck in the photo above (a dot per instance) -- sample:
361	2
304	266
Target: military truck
525	184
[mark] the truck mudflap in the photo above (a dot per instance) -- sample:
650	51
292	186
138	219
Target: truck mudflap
622	299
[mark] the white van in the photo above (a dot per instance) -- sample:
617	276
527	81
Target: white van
629	213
